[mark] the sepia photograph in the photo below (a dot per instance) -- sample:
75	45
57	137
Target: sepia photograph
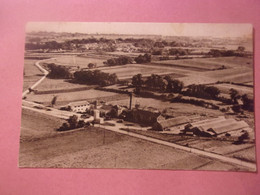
175	96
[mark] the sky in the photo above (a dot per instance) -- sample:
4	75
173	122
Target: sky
165	29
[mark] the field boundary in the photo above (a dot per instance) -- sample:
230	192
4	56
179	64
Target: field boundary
62	90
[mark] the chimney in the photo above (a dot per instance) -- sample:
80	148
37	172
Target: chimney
96	104
130	103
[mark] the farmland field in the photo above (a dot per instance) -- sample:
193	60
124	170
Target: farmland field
129	70
209	63
71	60
57	84
65	98
195	64
236	75
224	88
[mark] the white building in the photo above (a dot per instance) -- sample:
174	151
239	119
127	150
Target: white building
81	106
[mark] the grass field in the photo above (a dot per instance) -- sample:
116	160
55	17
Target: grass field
36	125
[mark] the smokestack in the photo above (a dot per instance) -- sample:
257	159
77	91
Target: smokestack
130	104
96	104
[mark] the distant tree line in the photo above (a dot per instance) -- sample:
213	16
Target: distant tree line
47	45
35	43
67	45
95	77
225	53
122	60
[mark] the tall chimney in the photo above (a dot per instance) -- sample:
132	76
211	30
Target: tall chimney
130	104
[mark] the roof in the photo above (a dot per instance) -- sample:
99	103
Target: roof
106	107
173	122
230	127
149	109
220	125
79	103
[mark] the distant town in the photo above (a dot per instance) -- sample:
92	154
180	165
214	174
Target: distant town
138	101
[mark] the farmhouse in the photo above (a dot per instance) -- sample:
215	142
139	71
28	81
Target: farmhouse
162	125
80	106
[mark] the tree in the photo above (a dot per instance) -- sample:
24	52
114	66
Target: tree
162	83
248	104
64	127
95	77
177	85
122	60
212	91
58	72
53	101
241	48
236	108
73	121
137	82
234	95
81	124
143	59
91	65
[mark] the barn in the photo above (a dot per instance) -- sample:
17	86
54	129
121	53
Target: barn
162	125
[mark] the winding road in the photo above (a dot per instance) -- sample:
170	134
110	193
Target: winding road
45	72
